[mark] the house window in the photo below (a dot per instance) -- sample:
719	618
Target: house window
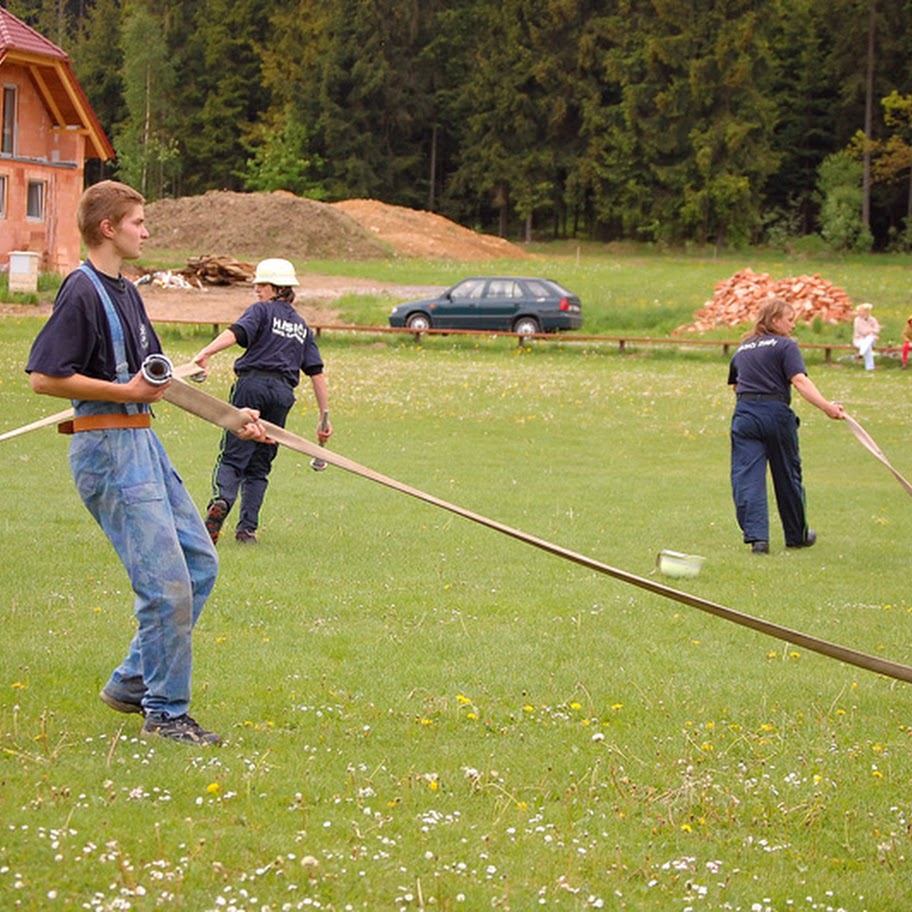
8	137
2	196
35	206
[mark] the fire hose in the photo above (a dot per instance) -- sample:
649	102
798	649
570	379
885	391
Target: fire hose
157	369
221	413
224	415
865	439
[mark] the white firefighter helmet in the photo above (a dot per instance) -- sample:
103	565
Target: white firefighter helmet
275	272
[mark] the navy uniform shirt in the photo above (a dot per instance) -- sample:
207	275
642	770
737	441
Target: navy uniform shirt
766	364
77	339
277	339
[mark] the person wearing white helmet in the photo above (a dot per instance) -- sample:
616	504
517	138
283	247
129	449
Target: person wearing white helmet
279	346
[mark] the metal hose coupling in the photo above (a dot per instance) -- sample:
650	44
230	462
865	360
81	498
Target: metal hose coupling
157	369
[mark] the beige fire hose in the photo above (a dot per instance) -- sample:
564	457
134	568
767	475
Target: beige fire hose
225	415
185	370
865	439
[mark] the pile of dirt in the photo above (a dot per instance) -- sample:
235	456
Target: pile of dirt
414	232
737	299
254	226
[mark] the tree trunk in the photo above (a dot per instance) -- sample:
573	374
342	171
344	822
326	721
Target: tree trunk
908	225
147	122
869	118
433	176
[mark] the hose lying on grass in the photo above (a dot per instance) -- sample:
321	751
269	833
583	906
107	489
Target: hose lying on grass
225	415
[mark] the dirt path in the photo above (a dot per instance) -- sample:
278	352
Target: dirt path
223	304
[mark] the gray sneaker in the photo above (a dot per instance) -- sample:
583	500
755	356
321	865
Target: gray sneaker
177	728
119	705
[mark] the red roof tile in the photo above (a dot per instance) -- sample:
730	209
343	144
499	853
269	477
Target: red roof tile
16	35
58	86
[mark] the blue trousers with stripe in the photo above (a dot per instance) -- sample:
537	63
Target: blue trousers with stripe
243	466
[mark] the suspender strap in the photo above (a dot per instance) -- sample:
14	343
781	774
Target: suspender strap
122	368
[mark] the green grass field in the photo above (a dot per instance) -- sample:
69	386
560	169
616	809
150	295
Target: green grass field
423	713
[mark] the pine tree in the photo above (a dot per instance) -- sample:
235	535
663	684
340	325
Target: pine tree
147	151
505	160
352	73
222	94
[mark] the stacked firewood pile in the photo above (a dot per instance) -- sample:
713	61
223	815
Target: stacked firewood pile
217	270
737	300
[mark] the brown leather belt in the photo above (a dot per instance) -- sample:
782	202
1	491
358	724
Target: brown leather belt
104	422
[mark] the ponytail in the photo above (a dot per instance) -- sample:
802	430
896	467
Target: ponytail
770	311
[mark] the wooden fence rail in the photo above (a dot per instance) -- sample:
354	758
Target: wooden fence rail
622	340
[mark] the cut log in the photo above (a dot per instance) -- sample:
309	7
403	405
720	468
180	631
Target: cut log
219	270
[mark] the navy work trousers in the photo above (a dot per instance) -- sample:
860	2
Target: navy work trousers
766	433
243	466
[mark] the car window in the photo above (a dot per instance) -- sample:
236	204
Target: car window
503	288
538	289
470	288
563	292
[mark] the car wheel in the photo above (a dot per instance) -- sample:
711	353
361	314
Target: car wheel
525	326
418	321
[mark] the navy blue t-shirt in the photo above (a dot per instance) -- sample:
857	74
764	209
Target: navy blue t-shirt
766	364
77	339
277	339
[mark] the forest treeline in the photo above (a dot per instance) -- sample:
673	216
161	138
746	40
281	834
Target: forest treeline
668	121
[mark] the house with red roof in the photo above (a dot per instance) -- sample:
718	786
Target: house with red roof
48	132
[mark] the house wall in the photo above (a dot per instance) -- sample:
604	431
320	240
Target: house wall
49	155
